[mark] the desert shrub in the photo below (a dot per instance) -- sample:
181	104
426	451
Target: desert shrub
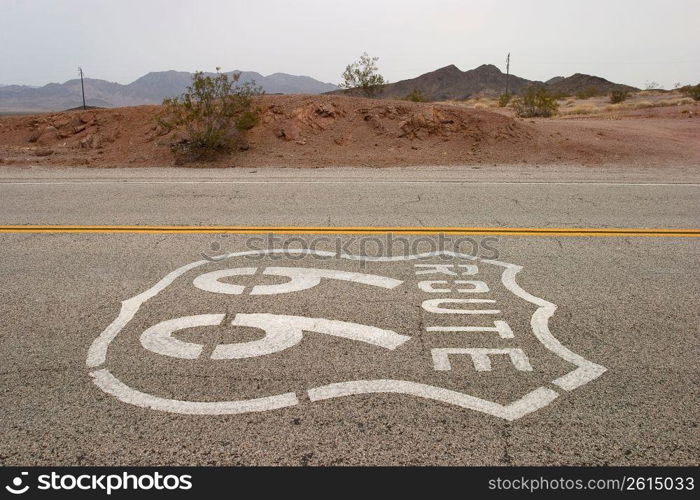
678	101
582	109
535	101
363	75
674	102
503	100
210	115
619	96
560	95
588	93
416	96
692	91
247	120
642	105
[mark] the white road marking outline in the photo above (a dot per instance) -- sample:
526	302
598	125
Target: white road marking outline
532	401
584	372
112	385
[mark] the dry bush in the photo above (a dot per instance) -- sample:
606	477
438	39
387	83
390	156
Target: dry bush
588	93
675	102
210	115
535	101
581	109
692	91
503	100
631	105
477	103
364	76
619	96
416	96
638	105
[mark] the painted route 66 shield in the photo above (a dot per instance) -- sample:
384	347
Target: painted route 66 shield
259	331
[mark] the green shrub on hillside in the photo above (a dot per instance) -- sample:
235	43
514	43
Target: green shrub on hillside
692	91
416	96
247	120
587	93
210	114
617	96
535	101
503	100
560	95
363	75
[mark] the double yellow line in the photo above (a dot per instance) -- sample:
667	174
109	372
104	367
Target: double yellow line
427	231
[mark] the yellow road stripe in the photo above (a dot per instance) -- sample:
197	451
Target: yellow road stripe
461	231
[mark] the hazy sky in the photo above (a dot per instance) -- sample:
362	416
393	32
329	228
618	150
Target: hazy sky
625	41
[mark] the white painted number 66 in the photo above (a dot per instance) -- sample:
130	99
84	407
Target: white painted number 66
281	331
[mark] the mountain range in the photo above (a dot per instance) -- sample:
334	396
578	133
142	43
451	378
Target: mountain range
488	81
151	88
452	83
580	83
442	84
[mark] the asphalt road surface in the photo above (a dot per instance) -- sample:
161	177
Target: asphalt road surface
139	346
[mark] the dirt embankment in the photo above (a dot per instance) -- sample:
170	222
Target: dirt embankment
319	131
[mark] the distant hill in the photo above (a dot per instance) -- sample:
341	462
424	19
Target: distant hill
151	88
488	81
554	80
580	82
452	83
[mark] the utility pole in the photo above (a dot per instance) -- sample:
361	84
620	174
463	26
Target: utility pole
507	72
82	85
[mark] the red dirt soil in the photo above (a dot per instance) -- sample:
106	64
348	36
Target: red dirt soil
316	131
